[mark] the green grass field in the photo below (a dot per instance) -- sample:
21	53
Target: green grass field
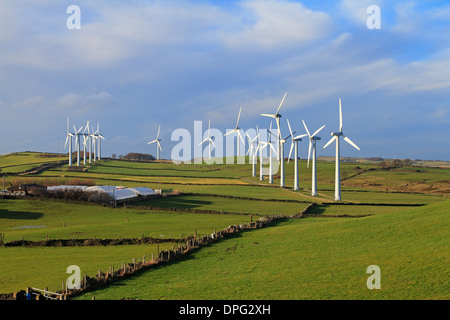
313	258
320	257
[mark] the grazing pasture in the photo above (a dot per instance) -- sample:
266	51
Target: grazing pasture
324	255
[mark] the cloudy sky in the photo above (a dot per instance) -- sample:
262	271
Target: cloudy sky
136	64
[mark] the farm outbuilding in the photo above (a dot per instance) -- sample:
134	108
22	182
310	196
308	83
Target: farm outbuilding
143	191
123	194
66	188
118	194
28	189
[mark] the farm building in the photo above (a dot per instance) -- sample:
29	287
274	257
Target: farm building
117	194
28	189
122	194
65	188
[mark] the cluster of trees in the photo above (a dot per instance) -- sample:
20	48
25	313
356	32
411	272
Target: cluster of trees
135	156
396	163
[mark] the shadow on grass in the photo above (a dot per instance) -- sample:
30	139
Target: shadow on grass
317	210
7	214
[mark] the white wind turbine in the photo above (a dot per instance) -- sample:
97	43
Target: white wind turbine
336	135
77	142
238	132
312	143
69	138
277	117
294	145
158	145
208	138
253	150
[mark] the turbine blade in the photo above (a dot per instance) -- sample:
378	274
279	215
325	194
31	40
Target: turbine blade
289	125
318	130
281	103
268	115
304	124
65	144
240	136
329	142
351	142
159	146
300	136
151	141
230	132
273	149
239	115
290	151
157	136
340	115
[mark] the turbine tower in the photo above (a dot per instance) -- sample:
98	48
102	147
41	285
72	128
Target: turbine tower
277	117
336	136
312	143
208	138
99	137
94	142
253	145
294	144
269	143
77	143
282	142
261	146
238	131
158	145
85	138
69	138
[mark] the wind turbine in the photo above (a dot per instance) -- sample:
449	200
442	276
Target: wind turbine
99	137
158	145
208	138
253	145
294	144
77	142
277	117
336	136
69	138
312	143
238	131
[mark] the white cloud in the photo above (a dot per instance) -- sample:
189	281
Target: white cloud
356	10
80	103
277	24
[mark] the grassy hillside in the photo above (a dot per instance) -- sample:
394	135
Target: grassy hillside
312	258
320	257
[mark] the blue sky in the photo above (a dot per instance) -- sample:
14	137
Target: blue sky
136	64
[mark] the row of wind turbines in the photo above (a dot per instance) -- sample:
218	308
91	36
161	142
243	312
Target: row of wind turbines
91	141
255	145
